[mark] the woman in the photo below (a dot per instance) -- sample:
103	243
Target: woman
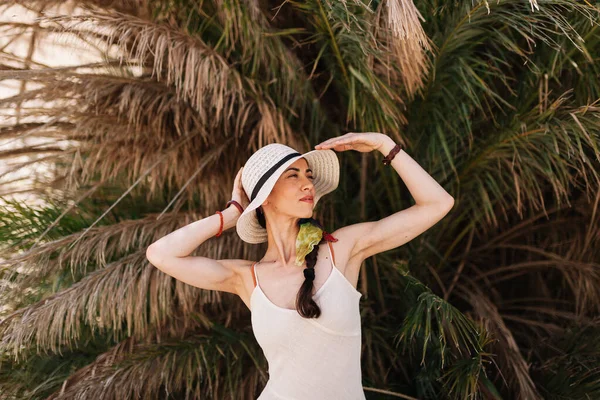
304	303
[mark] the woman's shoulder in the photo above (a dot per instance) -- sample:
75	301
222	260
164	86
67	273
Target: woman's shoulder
246	280
241	265
344	243
243	268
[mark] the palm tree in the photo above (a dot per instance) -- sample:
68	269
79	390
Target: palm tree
498	101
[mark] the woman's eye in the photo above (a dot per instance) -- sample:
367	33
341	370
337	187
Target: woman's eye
310	177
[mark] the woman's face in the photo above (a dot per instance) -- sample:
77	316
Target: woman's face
294	183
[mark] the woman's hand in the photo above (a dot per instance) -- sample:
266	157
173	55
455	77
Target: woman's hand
238	193
359	141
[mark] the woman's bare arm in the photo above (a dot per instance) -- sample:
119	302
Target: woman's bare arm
432	200
171	254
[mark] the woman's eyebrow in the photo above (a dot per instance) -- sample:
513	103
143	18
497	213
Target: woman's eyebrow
297	169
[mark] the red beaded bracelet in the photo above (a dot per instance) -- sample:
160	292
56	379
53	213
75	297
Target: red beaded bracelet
235	203
221	227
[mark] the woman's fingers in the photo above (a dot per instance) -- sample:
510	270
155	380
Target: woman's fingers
333	143
327	143
238	179
347	138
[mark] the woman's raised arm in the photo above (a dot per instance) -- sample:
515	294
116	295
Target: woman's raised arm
432	200
171	253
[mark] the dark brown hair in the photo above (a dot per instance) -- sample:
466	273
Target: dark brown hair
305	305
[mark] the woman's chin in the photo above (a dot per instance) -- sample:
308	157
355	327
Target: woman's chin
307	213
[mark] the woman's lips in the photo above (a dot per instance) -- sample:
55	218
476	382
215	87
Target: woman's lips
308	200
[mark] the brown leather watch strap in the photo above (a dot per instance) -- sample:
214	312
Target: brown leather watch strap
388	159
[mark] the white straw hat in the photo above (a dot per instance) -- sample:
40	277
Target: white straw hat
263	169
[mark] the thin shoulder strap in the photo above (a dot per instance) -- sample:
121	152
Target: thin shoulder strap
331	248
254	274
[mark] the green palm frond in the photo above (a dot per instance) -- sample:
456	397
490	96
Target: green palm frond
568	366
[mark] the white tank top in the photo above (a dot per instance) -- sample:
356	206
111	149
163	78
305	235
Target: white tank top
308	358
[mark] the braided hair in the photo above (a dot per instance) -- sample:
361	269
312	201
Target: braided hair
305	305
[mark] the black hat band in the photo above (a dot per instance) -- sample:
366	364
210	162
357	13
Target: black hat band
270	172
